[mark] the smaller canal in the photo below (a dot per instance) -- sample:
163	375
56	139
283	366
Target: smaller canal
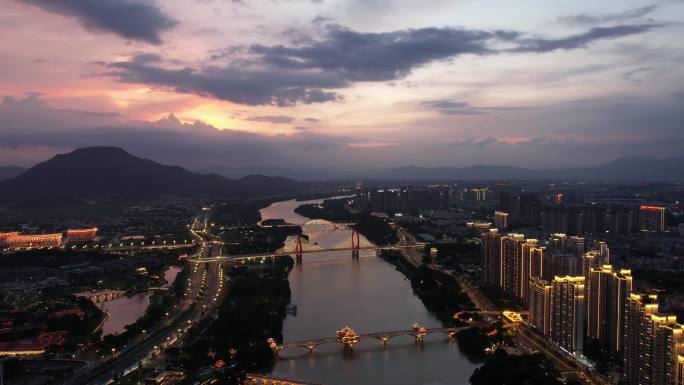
124	311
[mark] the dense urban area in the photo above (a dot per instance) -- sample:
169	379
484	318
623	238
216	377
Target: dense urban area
535	282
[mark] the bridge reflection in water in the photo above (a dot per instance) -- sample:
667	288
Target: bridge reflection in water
349	338
103	296
258	379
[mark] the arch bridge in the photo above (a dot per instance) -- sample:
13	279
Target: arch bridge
104	296
349	338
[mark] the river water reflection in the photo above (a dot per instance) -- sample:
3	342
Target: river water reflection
125	311
331	290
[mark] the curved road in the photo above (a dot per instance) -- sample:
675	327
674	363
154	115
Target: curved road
194	307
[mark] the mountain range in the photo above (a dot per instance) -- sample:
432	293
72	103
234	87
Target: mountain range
623	169
110	173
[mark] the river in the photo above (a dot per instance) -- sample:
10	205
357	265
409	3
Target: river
331	290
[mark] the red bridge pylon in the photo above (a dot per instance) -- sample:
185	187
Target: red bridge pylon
299	250
355	243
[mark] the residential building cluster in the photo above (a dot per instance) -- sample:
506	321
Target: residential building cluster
574	296
405	199
574	217
420	198
600	218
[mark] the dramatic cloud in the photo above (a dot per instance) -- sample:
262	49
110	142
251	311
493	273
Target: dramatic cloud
363	83
617	17
616	128
195	145
358	56
281	87
131	19
540	45
288	75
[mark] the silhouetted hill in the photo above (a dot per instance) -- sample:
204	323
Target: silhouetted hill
632	168
238	172
7	172
110	173
623	169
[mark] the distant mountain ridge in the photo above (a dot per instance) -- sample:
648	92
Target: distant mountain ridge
623	169
631	168
110	173
7	172
292	173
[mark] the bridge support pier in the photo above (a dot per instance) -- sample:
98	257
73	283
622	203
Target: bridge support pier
299	250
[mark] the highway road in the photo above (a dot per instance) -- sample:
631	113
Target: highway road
203	293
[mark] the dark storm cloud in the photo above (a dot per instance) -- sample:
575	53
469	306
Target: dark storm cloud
282	87
276	119
131	19
311	72
358	56
616	17
541	45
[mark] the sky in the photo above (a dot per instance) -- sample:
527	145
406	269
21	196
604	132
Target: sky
334	85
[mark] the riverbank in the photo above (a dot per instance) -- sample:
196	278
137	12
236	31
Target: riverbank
251	313
377	230
440	292
160	302
247	212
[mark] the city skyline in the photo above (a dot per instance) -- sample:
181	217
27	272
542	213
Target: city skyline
343	84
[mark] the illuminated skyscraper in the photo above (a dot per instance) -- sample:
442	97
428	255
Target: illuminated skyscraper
667	345
512	264
491	257
567	313
532	264
637	308
540	305
607	291
652	345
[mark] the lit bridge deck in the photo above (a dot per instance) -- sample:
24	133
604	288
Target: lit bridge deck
383	337
242	258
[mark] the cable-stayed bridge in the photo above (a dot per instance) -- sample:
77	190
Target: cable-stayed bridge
299	244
